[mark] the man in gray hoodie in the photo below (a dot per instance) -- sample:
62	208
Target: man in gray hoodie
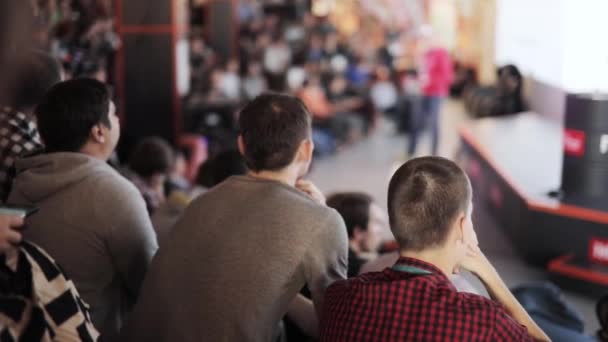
91	219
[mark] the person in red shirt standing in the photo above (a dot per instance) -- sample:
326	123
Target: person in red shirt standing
430	208
436	75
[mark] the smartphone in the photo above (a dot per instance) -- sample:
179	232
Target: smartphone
18	211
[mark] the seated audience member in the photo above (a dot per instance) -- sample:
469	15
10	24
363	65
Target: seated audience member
365	222
509	91
383	91
277	58
335	117
91	220
231	81
430	206
221	88
254	83
358	210
94	69
30	282
248	232
149	167
33	74
295	78
340	90
177	179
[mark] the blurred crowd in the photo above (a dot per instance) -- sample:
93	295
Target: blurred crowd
80	34
347	81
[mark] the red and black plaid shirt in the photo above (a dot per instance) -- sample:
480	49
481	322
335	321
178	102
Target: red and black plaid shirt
402	306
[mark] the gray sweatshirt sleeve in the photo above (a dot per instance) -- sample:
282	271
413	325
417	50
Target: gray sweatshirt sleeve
131	240
327	258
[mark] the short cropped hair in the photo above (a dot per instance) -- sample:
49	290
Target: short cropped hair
272	127
151	156
425	196
33	74
354	207
69	110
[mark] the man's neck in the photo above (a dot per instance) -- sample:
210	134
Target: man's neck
436	257
284	176
93	153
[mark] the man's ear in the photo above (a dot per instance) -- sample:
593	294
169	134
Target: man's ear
241	145
305	150
461	228
97	134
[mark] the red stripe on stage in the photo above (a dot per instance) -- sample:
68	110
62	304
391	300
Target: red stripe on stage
560	266
571	211
535	205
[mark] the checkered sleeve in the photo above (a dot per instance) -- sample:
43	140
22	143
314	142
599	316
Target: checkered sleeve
18	137
506	328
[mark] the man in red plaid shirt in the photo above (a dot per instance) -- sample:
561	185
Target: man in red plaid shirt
430	206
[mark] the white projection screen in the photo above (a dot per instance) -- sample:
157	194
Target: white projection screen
563	43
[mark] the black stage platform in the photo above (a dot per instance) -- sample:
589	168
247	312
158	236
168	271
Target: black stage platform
514	163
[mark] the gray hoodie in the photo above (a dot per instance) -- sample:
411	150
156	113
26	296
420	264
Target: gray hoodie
94	223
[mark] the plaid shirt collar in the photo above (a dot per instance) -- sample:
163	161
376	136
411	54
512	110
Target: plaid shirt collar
418	267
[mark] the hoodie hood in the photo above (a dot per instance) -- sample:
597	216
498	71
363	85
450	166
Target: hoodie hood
44	175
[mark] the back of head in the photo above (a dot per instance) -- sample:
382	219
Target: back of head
33	74
425	196
510	70
69	110
354	207
152	156
510	77
272	127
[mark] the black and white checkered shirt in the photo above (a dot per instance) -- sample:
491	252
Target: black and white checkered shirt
18	136
38	302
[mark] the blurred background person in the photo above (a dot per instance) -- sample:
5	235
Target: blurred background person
436	75
149	167
365	221
32	74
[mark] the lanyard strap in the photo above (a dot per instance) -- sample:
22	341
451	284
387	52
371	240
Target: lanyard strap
411	269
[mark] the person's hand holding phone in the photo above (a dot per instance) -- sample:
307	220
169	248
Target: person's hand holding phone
9	231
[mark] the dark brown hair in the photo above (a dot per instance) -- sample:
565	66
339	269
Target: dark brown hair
69	110
424	197
353	207
151	156
272	127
